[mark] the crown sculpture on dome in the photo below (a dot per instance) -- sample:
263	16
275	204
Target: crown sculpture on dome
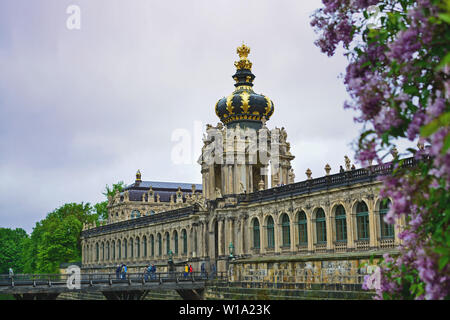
243	63
243	105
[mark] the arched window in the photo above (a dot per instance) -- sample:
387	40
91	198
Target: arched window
362	220
302	229
321	226
138	247
167	243
159	245
387	230
119	249
270	233
175	242
285	228
103	251
256	236
341	224
152	245
125	248
97	257
184	237
144	245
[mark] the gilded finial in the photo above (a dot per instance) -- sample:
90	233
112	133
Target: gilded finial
243	63
243	51
138	176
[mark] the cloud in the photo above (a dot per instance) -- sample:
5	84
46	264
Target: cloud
85	108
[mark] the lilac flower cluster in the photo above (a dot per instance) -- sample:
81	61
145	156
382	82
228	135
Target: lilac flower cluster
393	83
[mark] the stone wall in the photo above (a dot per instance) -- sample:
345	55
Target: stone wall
348	268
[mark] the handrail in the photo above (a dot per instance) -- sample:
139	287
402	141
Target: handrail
335	180
111	278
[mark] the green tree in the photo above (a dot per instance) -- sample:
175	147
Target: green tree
56	239
101	207
11	249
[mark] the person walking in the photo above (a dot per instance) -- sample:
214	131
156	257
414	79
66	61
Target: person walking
11	273
186	270
147	272
153	271
124	271
118	269
190	269
203	270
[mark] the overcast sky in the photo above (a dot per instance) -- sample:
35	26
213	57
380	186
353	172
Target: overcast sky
84	108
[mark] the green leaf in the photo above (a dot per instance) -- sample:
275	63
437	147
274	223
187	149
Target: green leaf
443	261
445	17
435	125
445	61
446	144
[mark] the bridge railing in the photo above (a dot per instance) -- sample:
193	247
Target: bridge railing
111	278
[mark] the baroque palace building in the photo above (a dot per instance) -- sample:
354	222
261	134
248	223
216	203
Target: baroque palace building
248	217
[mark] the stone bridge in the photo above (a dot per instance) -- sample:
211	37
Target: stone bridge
132	286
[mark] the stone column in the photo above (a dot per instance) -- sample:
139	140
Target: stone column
250	179
243	237
219	236
83	252
350	226
292	234
310	227
277	231
372	225
263	236
329	224
195	240
231	169
398	227
201	240
212	179
236	178
225	178
189	242
212	244
228	234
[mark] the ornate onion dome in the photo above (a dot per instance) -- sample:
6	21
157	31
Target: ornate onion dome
244	105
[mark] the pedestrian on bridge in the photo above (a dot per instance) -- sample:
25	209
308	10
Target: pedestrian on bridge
147	272
118	269
153	272
124	271
203	269
186	270
11	273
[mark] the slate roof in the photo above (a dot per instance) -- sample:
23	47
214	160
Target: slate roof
158	185
164	189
